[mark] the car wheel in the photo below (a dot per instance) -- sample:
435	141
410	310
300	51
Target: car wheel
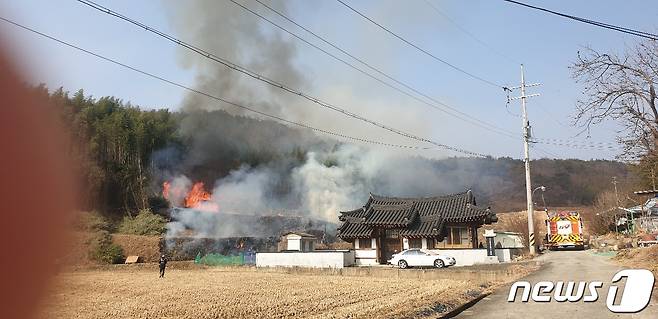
439	263
402	264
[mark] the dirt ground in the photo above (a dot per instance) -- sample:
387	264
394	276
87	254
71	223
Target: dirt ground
234	293
640	258
147	247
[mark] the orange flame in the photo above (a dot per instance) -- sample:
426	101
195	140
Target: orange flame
197	195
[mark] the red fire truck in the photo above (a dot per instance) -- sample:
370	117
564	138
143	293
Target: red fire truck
564	230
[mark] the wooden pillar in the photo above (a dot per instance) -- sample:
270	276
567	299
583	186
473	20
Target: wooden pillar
474	235
378	249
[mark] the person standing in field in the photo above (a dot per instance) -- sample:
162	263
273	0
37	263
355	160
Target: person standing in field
163	265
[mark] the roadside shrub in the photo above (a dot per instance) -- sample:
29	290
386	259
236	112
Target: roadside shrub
102	249
145	223
91	222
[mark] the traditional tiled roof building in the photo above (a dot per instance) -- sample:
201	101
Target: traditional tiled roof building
386	225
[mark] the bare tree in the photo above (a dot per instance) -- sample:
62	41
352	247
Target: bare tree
601	219
621	88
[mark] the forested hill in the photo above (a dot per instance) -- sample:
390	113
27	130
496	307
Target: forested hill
569	182
124	153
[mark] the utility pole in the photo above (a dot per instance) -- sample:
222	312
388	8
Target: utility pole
614	182
526	148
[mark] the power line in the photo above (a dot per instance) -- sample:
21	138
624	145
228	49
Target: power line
469	34
182	86
545	152
274	83
637	33
421	49
551	116
464	116
576	141
576	145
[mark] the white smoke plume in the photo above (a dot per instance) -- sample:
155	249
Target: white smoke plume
178	188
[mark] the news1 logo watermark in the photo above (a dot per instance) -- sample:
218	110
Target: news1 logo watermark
635	297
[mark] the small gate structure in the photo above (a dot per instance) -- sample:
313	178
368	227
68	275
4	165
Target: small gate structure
211	259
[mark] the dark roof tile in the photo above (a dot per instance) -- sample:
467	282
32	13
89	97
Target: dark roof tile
351	230
390	215
416	217
358	213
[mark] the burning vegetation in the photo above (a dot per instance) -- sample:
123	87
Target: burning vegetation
197	219
196	197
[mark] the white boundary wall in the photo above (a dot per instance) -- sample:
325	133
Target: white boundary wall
469	257
365	257
464	257
315	259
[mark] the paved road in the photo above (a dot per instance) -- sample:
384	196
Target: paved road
559	266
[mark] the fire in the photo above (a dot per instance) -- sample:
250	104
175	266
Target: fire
197	197
165	189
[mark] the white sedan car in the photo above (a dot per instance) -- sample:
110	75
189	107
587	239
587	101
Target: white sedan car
418	257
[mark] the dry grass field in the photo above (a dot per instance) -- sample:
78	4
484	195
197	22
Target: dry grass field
235	293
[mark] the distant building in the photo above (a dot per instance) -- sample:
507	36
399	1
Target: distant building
387	225
641	217
298	241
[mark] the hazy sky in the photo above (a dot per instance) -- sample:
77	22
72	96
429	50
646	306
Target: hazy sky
546	44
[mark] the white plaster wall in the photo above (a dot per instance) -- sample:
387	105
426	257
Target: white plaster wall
294	243
327	259
468	257
365	256
365	253
465	257
366	262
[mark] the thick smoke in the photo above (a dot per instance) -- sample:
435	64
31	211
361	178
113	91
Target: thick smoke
227	31
179	186
257	167
324	183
